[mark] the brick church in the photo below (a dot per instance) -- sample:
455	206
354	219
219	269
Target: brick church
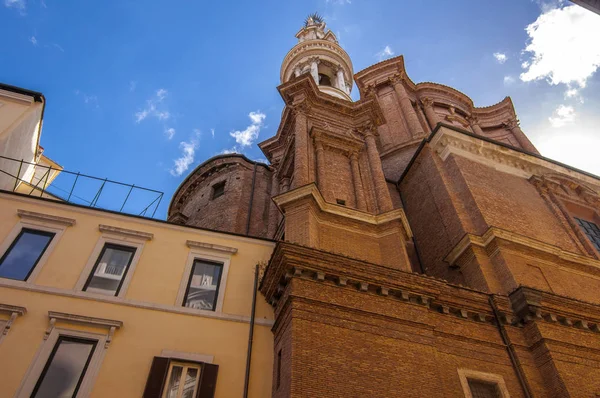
425	247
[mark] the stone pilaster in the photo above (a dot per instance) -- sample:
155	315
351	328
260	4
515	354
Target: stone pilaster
513	126
406	105
474	122
321	174
359	192
432	117
384	201
301	176
273	212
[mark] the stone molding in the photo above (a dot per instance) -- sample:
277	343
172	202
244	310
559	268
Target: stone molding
532	305
13	311
493	234
128	233
448	141
293	261
309	48
110	324
311	191
192	244
47	218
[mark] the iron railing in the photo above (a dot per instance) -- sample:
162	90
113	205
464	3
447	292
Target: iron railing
104	193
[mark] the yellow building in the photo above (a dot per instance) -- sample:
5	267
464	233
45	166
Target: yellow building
104	304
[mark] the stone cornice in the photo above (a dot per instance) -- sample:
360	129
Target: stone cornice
532	305
346	143
494	233
47	218
209	246
312	192
13	312
110	324
128	233
447	141
293	261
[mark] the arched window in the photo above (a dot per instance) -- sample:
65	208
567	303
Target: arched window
324	80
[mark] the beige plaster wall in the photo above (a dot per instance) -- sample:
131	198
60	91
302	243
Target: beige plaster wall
152	320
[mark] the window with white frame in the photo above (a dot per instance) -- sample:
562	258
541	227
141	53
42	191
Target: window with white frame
113	260
66	367
203	285
182	380
29	244
68	362
110	269
24	253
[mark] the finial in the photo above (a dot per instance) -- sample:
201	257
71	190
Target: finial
313	19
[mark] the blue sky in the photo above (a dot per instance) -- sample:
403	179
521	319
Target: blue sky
143	91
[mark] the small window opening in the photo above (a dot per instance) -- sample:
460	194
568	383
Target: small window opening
591	230
324	80
341	202
218	189
278	369
483	389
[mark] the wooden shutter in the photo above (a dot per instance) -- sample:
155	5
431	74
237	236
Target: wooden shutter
157	377
208	381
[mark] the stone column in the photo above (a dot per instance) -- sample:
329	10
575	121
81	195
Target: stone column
297	72
406	105
513	126
300	147
273	212
359	192
432	117
384	201
474	121
314	69
285	185
341	82
321	168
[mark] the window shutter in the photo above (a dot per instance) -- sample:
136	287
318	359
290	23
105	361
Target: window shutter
156	378
208	381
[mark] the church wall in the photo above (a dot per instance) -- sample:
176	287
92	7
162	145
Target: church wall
338	177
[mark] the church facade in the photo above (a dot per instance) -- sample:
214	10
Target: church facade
425	247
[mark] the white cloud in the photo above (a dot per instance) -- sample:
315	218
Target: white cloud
170	132
89	100
234	149
562	116
340	2
385	53
250	134
500	57
212	132
132	85
151	109
508	80
33	40
16	4
575	146
188	149
563	46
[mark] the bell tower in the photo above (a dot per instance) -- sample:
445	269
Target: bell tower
319	54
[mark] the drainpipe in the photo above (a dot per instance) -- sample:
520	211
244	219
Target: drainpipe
510	349
251	200
251	334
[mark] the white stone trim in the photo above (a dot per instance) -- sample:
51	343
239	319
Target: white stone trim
117	239
13	312
511	161
187	356
41	358
208	246
127	233
110	324
209	255
175	309
46	224
465	375
45	218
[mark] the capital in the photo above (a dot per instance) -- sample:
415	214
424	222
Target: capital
369	90
511	123
427	102
473	120
354	156
367	129
396	79
300	108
